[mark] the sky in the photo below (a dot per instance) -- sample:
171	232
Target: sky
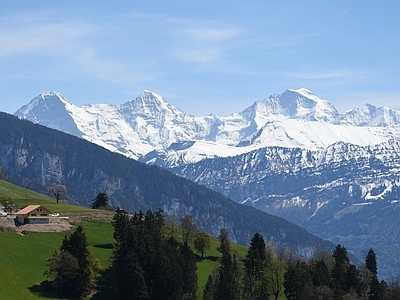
201	56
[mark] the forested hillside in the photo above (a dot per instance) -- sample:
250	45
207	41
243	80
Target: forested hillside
34	156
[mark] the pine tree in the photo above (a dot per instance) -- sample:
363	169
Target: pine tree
339	269
210	290
146	264
129	276
254	286
296	280
375	288
228	286
320	273
189	272
77	246
73	267
370	262
101	200
63	269
121	227
345	275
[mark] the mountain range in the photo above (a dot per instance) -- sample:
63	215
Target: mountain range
291	154
35	157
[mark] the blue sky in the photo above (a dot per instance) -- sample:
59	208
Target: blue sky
201	56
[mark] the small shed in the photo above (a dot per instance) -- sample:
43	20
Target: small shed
33	214
122	211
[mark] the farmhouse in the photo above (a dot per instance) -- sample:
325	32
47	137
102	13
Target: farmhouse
33	214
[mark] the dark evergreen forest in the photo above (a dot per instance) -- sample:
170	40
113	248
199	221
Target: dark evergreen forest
149	261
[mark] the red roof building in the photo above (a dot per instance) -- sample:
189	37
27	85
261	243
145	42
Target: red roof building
33	214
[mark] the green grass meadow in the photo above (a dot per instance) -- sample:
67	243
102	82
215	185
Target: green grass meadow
23	197
23	257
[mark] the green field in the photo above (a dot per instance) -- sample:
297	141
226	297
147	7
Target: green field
23	197
23	258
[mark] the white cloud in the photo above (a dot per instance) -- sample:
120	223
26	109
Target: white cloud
26	33
74	43
343	75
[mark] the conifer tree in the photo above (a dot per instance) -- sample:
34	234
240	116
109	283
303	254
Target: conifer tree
73	267
339	269
148	265
77	245
345	275
375	288
228	286
101	200
320	273
189	271
370	262
63	269
121	227
296	279
254	285
210	290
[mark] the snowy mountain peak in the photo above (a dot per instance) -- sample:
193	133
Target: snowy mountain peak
370	115
44	102
53	110
305	92
303	104
149	104
148	122
299	104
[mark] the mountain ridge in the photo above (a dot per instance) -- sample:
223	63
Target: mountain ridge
292	155
149	123
34	156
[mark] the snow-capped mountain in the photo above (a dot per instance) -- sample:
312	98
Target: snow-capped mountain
296	118
291	154
52	110
345	193
132	128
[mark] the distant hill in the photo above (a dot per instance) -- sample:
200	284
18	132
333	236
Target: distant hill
35	156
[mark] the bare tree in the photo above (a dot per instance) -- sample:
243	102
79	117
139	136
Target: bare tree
288	254
59	191
189	229
325	256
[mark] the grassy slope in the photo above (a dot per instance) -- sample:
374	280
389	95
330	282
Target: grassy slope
23	197
23	258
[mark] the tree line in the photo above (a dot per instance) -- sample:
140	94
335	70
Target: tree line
268	273
149	261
